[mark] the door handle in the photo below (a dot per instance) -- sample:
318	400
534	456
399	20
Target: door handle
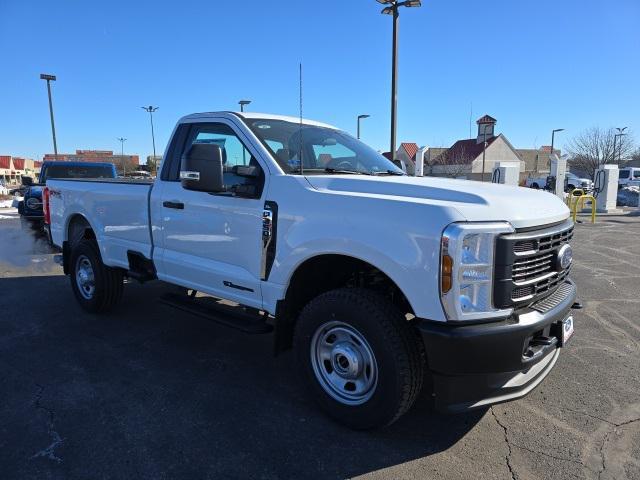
176	205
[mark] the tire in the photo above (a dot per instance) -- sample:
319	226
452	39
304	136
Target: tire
535	185
388	354
97	287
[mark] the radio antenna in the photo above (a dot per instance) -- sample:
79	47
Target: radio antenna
300	134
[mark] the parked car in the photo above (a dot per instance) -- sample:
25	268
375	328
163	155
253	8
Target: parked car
572	182
30	208
629	176
372	276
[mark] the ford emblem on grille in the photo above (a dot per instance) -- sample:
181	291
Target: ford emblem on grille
565	257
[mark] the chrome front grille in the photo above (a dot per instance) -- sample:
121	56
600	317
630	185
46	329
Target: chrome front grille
535	265
527	265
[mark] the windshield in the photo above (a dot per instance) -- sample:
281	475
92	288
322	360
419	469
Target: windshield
322	150
66	171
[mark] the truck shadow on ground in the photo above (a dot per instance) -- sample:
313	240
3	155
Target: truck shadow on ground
151	392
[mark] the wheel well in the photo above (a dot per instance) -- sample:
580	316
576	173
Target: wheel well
79	228
324	273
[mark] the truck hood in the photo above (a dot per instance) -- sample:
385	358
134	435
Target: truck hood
475	201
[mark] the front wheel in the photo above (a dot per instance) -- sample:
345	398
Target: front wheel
97	287
359	357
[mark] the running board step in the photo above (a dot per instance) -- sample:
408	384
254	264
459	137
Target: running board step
210	308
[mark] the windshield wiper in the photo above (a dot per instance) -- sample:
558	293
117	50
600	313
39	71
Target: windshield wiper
338	171
388	172
330	170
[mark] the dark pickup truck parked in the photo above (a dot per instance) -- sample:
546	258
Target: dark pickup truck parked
30	208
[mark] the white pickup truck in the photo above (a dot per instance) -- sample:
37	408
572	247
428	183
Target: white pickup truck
376	279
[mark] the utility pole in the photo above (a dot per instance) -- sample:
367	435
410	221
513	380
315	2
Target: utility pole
49	79
152	109
124	163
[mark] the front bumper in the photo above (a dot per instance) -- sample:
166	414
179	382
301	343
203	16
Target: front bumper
482	364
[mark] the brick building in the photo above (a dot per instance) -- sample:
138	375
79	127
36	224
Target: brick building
123	163
13	168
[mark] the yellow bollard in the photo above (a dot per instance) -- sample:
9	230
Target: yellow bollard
580	201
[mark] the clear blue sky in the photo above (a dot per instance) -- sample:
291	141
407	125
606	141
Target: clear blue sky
532	65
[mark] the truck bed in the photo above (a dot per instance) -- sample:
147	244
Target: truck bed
117	210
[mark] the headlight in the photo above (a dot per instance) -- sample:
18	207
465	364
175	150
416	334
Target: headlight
33	203
466	270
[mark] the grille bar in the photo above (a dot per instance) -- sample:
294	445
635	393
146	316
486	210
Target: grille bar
530	270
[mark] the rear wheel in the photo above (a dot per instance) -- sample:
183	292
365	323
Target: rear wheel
359	357
535	185
97	287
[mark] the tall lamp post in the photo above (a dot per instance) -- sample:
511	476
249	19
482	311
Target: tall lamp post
484	147
360	117
152	109
391	8
553	135
49	79
619	134
124	164
242	103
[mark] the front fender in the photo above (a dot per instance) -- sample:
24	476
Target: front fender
402	240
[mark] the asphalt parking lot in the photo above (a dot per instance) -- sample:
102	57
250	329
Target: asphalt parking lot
150	392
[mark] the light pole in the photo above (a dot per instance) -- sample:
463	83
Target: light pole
392	9
553	135
49	79
242	103
152	109
360	117
124	164
484	146
619	134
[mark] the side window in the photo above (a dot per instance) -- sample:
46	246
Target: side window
624	174
234	154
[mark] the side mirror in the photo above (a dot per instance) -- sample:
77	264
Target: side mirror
201	168
26	181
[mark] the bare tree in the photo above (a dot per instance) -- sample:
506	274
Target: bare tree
594	147
454	164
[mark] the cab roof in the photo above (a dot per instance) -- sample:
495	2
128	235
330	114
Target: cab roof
256	115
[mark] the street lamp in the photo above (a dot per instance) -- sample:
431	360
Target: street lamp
484	146
242	103
360	117
152	109
392	9
619	134
124	165
49	79
553	134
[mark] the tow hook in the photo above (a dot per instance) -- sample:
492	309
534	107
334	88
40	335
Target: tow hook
577	306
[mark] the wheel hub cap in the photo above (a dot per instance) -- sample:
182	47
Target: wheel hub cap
85	278
343	363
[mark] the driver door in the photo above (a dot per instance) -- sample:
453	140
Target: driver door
212	242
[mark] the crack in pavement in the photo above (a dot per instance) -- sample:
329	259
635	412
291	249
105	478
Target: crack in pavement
48	452
506	440
564	459
606	438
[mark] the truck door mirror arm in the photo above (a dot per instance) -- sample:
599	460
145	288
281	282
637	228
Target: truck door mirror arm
201	168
